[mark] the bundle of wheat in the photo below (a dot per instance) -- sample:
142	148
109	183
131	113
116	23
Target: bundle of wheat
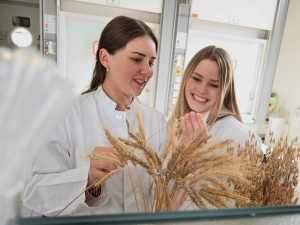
276	180
209	176
185	170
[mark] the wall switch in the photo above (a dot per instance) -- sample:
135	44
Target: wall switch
233	19
113	2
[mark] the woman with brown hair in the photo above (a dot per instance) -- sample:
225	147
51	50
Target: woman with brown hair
124	64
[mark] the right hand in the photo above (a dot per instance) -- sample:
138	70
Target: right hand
99	169
191	124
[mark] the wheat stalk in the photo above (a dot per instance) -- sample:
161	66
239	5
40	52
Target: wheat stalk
277	176
190	169
209	176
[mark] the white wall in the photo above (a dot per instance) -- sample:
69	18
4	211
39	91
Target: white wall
6	13
286	82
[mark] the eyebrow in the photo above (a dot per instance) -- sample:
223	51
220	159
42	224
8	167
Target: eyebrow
141	54
217	81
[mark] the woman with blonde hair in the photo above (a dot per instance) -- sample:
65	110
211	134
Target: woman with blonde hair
207	96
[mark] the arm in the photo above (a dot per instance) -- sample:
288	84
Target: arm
54	182
57	178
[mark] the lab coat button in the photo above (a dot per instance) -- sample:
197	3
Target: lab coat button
119	117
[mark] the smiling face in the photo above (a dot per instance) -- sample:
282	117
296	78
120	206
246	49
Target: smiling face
201	90
129	70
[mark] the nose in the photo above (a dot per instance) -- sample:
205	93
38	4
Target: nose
146	70
203	88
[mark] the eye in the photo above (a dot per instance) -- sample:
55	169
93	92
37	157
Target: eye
151	64
197	79
214	85
136	60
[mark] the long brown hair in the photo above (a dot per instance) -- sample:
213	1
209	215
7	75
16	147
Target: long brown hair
114	37
226	90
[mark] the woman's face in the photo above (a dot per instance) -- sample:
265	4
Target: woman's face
201	90
129	70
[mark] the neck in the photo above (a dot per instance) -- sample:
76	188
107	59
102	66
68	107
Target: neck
203	114
121	107
119	98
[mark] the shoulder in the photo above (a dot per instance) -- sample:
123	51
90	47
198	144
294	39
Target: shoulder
85	98
153	119
150	112
231	124
230	128
84	102
83	105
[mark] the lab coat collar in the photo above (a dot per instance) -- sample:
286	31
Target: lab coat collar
223	112
103	99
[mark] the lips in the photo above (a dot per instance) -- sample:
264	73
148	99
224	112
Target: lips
140	82
199	99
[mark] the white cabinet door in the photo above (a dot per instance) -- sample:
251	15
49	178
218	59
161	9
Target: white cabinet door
249	13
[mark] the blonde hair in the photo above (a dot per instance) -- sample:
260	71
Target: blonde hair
226	90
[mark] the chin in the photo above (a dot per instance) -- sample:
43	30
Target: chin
197	110
138	93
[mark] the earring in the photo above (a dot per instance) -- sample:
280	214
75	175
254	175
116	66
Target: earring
107	70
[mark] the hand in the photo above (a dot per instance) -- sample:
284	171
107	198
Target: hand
191	124
98	169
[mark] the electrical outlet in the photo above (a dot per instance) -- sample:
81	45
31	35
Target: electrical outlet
233	19
113	2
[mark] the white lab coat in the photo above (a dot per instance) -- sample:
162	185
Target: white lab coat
59	172
229	127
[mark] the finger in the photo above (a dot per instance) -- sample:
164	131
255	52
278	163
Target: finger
184	131
104	170
189	125
95	175
117	157
109	152
195	125
100	149
102	165
98	170
202	125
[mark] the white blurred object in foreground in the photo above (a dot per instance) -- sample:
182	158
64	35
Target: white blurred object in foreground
32	99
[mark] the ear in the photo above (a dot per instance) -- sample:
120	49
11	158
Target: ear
103	56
